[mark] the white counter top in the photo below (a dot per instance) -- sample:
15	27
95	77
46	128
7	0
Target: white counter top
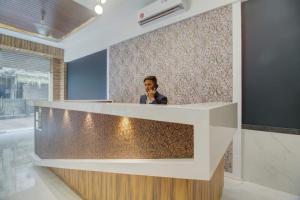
185	114
214	127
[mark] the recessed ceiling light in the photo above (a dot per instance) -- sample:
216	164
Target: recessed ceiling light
103	1
99	9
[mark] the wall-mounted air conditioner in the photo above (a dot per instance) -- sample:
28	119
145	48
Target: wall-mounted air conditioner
159	9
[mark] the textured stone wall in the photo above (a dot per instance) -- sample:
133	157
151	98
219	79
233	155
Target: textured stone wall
192	60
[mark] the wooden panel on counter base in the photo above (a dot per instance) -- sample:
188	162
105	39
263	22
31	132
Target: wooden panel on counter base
67	134
109	186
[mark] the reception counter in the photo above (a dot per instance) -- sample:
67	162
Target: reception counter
132	151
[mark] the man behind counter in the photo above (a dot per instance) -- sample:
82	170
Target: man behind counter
152	96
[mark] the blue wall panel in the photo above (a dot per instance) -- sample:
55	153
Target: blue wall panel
87	77
271	63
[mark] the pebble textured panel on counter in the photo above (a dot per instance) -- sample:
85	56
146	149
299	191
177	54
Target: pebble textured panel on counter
192	60
79	135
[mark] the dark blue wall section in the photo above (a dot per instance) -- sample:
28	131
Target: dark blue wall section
271	63
87	77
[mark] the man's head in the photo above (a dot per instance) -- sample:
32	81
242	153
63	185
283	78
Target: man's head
150	83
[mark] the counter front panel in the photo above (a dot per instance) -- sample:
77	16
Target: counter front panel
67	134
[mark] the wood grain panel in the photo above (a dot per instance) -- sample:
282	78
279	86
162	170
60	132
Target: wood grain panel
59	79
26	46
110	186
61	17
70	134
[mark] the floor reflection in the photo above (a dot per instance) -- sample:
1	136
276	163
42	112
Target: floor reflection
16	148
19	180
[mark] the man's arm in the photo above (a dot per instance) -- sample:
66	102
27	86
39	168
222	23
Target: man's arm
163	100
143	99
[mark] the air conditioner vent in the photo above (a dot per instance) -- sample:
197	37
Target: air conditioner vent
159	9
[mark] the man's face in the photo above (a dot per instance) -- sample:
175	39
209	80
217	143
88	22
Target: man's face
149	85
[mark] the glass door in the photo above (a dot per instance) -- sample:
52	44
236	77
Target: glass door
23	78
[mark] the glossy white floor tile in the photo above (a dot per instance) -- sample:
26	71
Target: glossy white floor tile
16	123
240	190
19	180
15	150
46	186
272	159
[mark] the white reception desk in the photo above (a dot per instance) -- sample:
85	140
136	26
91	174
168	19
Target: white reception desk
214	125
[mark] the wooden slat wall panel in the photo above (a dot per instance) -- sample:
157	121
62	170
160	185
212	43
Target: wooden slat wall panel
31	47
59	73
110	186
63	86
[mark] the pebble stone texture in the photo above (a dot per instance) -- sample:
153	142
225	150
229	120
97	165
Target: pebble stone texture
80	135
192	60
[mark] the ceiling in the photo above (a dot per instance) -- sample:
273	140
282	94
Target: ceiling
51	19
117	23
113	3
87	3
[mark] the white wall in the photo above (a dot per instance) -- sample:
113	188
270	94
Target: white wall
237	85
119	23
272	159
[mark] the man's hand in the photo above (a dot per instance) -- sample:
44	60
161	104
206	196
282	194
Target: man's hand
151	94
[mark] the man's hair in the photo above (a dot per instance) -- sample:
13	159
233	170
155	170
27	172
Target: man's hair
152	78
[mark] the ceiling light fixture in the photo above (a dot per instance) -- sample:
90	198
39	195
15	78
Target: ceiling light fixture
98	8
42	27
